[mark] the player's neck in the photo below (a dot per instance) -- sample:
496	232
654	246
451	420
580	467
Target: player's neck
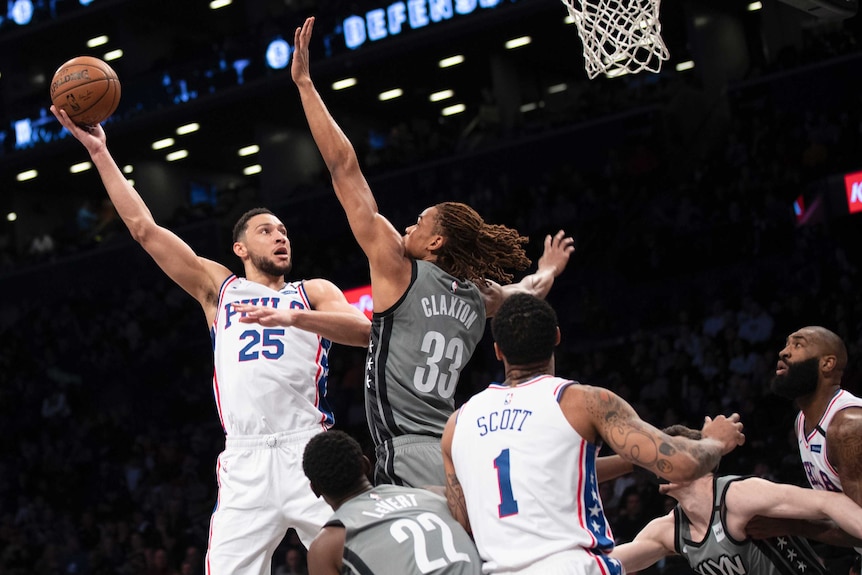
276	283
516	374
814	405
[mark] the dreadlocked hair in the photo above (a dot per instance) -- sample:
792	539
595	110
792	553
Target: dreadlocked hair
477	251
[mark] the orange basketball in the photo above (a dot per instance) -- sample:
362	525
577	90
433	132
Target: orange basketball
87	88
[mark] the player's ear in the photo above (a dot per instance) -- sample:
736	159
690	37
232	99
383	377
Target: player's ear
497	353
366	466
827	363
557	337
240	250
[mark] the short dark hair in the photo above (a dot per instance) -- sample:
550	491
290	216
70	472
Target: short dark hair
333	463
242	223
525	329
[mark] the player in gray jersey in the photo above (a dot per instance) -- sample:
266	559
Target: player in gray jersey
432	289
383	530
707	527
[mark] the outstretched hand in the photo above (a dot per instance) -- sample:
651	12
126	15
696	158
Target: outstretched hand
93	137
725	430
263	315
558	248
299	69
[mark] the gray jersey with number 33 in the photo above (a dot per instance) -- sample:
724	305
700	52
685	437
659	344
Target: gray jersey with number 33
418	348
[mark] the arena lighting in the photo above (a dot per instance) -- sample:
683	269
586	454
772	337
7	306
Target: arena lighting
11	217
113	55
452	110
557	88
252	170
390	94
754	6
80	167
188	128
177	155
128	169
248	150
451	61
441	95
518	42
163	143
97	41
529	107
26	175
569	19
345	83
683	66
216	4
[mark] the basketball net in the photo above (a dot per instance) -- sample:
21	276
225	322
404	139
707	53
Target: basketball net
619	36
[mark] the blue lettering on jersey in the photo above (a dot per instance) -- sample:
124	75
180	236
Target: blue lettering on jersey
229	310
511	419
815	448
818	479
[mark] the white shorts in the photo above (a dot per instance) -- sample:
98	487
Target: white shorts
262	492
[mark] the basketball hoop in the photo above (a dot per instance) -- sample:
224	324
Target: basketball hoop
619	36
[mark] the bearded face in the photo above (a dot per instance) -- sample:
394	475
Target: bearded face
798	379
270	267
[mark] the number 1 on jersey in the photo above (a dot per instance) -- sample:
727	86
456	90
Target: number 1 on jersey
508	505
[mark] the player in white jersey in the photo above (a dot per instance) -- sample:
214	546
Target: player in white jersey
520	457
829	423
270	367
416	354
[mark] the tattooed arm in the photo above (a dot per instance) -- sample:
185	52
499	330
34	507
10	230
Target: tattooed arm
454	492
844	450
595	412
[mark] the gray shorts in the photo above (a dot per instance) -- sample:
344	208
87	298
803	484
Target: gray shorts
412	460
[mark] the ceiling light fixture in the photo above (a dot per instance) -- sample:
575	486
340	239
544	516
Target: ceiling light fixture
80	167
451	61
345	83
452	110
441	95
390	94
97	41
163	143
252	170
518	42
188	128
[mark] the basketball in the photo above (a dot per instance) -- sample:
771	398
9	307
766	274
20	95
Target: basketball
87	88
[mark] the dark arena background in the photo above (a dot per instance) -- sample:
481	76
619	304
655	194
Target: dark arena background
713	206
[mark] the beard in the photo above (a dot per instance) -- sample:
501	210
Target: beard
269	267
799	380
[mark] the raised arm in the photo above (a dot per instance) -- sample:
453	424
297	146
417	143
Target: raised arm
454	493
332	316
555	257
378	238
594	411
654	542
754	496
200	277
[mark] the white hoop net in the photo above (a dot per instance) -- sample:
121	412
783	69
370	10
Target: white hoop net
619	36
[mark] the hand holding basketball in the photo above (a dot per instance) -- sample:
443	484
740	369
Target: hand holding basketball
87	89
